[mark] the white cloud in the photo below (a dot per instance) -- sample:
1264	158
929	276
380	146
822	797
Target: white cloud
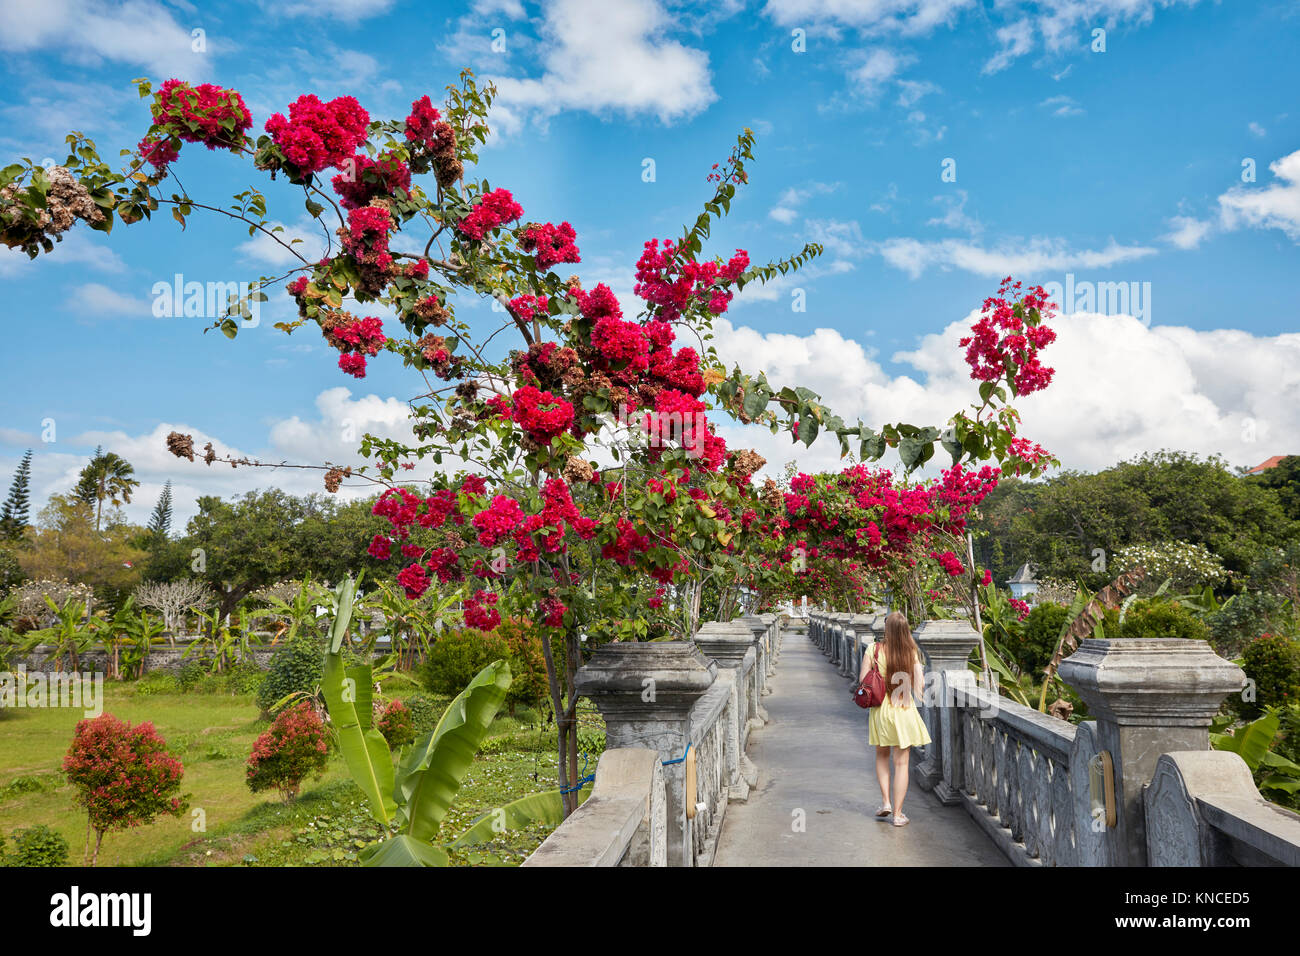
955	216
786	208
1120	389
1025	258
1256	129
1275	207
610	56
910	17
95	301
1186	232
138	32
1062	106
1015	39
348	11
77	248
262	248
875	69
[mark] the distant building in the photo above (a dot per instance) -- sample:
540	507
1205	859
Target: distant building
1022	583
1266	465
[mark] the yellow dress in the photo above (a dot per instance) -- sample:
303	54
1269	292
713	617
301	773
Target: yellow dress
891	725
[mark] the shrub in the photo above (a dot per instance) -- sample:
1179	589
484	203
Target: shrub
245	679
157	682
395	723
122	775
38	846
295	745
190	674
1272	661
1039	635
1153	619
424	713
528	685
456	657
295	667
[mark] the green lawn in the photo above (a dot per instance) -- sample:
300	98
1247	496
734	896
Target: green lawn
213	734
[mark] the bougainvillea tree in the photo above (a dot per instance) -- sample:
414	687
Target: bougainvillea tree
521	512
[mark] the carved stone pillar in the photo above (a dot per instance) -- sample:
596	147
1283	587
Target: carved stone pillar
946	646
645	693
1149	697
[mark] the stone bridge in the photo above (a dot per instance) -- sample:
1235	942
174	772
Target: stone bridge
742	748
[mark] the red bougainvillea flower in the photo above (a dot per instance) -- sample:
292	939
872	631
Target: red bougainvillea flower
542	415
492	211
380	548
550	244
364	179
353	364
1006	338
319	135
201	114
480	611
552	611
1020	607
413	580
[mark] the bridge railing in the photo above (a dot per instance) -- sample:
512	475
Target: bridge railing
1036	784
677	716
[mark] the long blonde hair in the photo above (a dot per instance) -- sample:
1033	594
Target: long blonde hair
901	656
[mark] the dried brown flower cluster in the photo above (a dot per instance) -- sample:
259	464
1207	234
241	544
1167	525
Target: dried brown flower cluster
334	478
578	470
747	461
182	446
772	497
66	201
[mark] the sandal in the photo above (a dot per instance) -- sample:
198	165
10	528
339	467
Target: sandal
900	820
884	811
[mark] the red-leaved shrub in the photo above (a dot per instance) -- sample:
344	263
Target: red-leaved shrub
294	746
123	775
396	724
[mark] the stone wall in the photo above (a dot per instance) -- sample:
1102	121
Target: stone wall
685	709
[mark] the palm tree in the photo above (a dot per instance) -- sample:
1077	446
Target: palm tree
107	477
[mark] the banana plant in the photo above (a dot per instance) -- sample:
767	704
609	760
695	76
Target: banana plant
1253	743
300	613
143	631
413	800
72	635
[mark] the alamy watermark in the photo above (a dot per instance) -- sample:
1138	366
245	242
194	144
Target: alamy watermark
19	689
207	300
1108	298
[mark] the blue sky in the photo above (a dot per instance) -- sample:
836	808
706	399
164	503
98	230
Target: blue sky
1103	157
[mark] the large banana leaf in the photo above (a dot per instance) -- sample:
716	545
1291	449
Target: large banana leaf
431	773
1250	742
365	752
544	808
403	850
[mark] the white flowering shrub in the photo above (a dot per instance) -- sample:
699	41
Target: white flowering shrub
1188	566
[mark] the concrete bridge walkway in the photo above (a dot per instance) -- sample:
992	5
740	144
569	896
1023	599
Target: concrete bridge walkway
813	757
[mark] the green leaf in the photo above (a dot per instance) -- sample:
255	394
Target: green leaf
431	774
403	850
546	809
315	209
1250	742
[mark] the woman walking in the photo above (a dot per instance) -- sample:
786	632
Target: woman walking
896	725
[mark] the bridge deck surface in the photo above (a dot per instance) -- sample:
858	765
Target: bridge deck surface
813	756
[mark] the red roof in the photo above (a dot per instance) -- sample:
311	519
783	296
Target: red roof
1264	466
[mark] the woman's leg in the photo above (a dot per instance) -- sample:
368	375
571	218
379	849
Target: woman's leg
902	756
882	774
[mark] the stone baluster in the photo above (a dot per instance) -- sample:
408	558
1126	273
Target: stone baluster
946	646
728	643
1149	697
645	693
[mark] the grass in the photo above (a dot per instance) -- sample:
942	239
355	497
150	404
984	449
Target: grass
213	734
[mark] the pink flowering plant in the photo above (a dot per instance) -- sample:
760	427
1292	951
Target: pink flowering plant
518	513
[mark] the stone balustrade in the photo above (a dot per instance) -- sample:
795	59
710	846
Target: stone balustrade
1025	777
687	707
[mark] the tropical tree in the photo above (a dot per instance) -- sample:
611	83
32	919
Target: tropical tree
106	478
160	522
13	515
